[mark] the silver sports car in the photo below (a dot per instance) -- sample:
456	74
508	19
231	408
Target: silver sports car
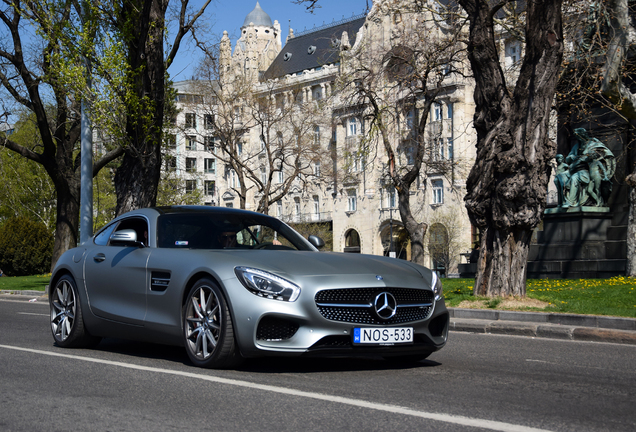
231	284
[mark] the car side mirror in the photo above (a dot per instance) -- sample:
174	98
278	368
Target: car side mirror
316	241
125	237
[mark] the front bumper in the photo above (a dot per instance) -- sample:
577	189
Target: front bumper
271	327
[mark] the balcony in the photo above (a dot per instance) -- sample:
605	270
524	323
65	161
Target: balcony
307	217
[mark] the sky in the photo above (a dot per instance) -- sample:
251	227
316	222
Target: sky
229	15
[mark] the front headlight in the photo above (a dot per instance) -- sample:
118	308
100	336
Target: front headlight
268	285
437	287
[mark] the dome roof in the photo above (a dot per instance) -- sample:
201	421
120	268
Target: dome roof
259	17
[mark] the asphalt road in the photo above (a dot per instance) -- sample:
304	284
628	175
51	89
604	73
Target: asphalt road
477	382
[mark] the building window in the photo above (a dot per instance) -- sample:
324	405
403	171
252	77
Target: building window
190	120
410	120
449	146
440	149
209	188
171	163
317	135
234	180
208	121
391	198
171	141
316	208
352	127
209	166
438	191
317	169
279	209
449	110
210	143
191	142
513	52
263	175
437	111
191	164
351	200
317	93
190	186
280	177
239	148
297	209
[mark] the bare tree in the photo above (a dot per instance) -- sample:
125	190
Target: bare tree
240	113
506	189
395	84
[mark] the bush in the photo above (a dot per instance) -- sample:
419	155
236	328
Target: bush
26	247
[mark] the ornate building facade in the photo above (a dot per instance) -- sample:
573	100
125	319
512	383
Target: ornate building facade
338	168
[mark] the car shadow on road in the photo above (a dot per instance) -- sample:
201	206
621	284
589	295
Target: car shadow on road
280	365
265	365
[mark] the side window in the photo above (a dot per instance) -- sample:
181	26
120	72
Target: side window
101	239
139	225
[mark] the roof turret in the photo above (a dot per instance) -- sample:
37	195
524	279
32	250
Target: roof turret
259	17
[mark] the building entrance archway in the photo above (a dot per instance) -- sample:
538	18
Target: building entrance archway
401	245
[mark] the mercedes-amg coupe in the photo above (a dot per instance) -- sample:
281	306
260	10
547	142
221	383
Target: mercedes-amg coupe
230	284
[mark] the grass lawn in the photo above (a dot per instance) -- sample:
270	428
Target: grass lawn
21	283
614	297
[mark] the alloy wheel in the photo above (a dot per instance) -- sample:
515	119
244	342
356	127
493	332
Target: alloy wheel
63	310
203	322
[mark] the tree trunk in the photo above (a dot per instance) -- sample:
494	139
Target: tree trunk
67	221
631	227
502	263
416	230
137	179
507	186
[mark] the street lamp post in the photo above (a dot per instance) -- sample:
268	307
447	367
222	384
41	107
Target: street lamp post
86	170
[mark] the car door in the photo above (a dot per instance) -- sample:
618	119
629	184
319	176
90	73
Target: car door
115	274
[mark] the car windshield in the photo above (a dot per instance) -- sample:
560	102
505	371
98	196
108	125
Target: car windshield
226	231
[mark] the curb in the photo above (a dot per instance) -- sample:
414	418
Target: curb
18	295
545	325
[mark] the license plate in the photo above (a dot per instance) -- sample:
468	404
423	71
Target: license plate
383	335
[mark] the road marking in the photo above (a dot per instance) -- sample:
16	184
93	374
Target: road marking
27	313
447	418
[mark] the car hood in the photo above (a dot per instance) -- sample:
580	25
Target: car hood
334	268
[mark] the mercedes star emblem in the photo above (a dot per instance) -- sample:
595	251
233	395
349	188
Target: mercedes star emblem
385	305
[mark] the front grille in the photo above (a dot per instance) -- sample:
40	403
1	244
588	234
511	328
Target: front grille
354	305
275	329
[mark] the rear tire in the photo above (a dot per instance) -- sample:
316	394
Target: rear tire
208	329
67	320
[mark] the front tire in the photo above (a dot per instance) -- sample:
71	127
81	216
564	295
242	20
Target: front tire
208	329
67	321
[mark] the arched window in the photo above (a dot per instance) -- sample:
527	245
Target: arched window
352	241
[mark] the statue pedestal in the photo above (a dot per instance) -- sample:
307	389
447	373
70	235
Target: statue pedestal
578	242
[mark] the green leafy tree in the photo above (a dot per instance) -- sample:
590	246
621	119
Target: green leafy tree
26	190
38	61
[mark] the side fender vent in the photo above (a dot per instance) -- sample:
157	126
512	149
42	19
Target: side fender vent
159	281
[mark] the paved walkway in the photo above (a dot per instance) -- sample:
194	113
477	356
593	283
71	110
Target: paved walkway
533	324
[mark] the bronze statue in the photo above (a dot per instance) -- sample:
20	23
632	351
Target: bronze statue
591	166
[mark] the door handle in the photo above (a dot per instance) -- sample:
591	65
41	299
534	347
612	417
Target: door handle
99	257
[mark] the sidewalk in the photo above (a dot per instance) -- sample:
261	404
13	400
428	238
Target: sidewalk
545	325
533	324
